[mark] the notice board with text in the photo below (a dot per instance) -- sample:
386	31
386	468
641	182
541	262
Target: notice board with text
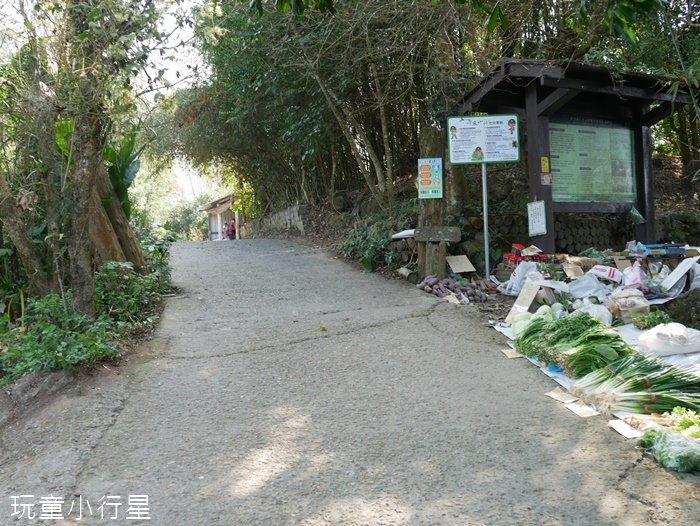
592	160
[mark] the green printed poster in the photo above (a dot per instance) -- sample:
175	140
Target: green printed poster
591	160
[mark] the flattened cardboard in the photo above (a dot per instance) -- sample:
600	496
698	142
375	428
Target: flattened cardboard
511	353
572	271
562	396
624	428
524	300
581	409
460	264
622	262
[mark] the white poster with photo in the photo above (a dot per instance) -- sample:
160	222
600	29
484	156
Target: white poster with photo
484	139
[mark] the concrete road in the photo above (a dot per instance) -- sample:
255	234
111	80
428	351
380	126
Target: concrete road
284	387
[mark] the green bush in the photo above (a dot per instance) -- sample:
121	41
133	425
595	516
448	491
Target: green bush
52	338
129	299
370	240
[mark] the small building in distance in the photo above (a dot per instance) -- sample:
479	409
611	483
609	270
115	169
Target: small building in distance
219	212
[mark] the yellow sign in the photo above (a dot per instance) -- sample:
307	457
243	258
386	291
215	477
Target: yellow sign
544	160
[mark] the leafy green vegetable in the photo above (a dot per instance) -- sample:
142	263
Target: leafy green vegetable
640	384
532	337
592	350
671	450
652	319
686	421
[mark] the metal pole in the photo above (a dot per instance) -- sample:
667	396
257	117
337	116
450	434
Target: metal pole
484	190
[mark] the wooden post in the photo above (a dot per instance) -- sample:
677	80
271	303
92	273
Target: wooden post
435	241
538	147
646	232
432	211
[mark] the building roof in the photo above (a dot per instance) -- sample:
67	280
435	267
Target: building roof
562	83
220	205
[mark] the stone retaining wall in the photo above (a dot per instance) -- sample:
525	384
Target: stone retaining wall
291	219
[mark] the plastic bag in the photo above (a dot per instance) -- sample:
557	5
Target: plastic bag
607	273
599	312
695	277
669	338
658	273
524	269
628	304
588	285
633	277
672	450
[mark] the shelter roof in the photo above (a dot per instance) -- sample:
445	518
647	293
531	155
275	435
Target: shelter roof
561	83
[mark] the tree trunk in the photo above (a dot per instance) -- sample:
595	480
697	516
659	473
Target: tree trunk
125	235
81	183
38	279
103	236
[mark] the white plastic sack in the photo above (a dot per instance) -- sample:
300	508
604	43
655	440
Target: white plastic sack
599	312
605	272
524	269
628	304
695	277
633	277
669	338
588	285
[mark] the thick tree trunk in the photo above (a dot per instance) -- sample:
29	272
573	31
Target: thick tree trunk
103	236
38	279
124	234
80	188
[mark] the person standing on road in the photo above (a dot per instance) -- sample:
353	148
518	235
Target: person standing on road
231	229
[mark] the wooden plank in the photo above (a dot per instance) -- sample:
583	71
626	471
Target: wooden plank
620	91
537	147
662	111
438	233
646	232
474	97
435	254
592	206
556	100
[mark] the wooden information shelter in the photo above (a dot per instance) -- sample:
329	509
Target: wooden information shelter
543	93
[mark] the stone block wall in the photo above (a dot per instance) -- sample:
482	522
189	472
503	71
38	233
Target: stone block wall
290	219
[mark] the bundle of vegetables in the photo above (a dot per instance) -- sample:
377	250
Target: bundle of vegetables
652	319
530	330
595	348
671	450
562	332
444	287
640	384
686	421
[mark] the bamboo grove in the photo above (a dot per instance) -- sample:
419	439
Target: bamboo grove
309	105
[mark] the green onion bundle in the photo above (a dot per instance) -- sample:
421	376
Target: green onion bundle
570	327
532	337
640	384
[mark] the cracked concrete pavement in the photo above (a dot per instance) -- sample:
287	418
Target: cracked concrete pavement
286	387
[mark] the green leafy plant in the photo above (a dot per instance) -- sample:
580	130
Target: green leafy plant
123	164
127	298
652	319
52	338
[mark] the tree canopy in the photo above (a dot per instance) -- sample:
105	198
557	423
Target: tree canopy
310	98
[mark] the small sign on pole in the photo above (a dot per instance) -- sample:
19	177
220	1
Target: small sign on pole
536	219
430	178
482	140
